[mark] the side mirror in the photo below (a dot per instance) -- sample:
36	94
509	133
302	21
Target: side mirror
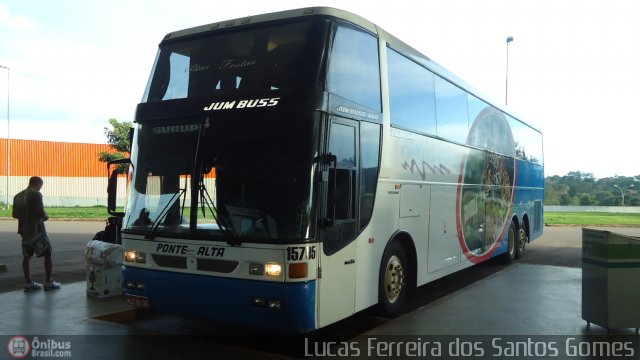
131	132
112	185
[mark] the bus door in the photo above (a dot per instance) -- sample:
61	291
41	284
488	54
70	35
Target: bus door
340	174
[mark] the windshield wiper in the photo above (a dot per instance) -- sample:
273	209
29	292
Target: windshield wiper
165	210
199	192
224	223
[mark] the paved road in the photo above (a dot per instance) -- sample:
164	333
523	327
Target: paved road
562	245
559	246
69	239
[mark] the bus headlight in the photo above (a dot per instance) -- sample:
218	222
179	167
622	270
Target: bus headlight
272	269
269	269
135	256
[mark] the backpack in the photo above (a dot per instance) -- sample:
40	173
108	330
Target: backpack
19	205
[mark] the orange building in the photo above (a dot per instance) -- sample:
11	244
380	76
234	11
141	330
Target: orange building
72	174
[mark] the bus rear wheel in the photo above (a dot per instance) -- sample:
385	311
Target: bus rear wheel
521	242
510	255
393	284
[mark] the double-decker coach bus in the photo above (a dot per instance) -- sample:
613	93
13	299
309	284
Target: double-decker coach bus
293	168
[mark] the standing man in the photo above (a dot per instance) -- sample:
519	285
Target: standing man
28	208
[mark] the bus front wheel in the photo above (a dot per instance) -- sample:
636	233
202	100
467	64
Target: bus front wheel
393	282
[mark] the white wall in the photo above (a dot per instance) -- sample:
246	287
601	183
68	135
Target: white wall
607	209
64	191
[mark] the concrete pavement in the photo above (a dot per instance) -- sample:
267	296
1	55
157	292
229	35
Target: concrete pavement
528	298
69	240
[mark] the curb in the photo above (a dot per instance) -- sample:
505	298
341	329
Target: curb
64	219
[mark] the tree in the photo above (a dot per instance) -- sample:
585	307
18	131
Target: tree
605	198
634	199
586	199
581	188
118	138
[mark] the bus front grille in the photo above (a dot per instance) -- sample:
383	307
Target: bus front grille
221	266
176	262
180	262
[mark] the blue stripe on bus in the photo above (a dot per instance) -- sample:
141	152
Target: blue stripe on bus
504	244
530	175
228	300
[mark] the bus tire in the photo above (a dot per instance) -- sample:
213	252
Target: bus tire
393	280
510	255
521	242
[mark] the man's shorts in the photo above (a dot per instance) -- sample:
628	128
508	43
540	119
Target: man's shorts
28	250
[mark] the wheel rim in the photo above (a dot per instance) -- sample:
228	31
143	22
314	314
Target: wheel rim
522	240
393	278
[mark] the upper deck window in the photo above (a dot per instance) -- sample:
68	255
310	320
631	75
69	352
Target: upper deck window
451	111
251	60
411	94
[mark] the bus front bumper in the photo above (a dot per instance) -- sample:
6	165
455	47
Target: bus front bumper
276	306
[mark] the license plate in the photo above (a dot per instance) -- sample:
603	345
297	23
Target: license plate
138	301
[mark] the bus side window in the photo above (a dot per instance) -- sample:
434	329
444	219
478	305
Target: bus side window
354	70
452	111
343	145
369	160
411	94
342	185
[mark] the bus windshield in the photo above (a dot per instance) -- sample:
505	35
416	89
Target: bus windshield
221	121
255	186
263	59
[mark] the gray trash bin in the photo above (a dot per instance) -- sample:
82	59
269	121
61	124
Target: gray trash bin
610	279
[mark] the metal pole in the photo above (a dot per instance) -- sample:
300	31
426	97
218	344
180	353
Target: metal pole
506	82
8	137
621	192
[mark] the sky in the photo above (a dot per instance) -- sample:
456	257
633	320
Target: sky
573	66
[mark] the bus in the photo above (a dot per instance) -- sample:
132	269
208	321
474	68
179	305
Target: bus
291	169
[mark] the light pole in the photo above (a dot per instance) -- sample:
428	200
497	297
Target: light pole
506	82
621	192
8	137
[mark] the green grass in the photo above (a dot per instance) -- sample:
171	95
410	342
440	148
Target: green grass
591	218
550	218
94	212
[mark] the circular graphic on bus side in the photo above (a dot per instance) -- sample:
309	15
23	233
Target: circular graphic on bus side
486	189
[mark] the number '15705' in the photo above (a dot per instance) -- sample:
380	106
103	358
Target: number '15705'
297	253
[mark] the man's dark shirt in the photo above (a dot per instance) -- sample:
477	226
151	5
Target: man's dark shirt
31	219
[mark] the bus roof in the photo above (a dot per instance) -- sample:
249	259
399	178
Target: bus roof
281	15
393	42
